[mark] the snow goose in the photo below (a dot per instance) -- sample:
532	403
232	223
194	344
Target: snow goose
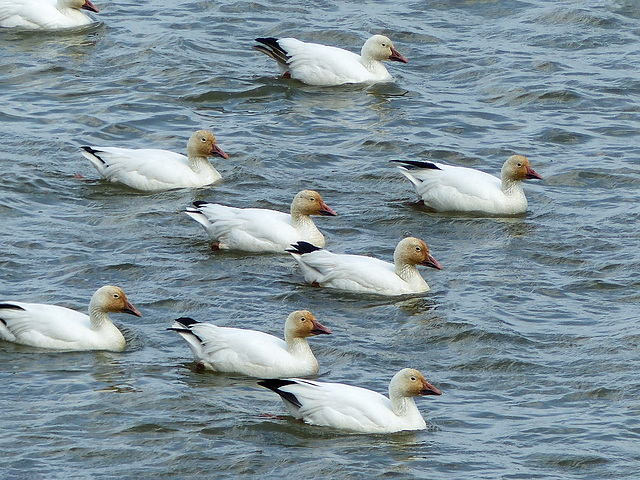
254	353
354	408
446	188
317	64
357	273
262	230
45	14
153	170
51	326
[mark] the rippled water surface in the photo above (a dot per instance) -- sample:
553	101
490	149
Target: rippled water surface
531	330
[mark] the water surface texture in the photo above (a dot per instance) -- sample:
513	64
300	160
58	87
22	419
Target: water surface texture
531	330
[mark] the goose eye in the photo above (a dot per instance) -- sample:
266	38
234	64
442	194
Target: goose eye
203	139
115	295
303	319
418	249
413	379
384	44
519	164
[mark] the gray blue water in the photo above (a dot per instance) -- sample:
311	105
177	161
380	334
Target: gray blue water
531	330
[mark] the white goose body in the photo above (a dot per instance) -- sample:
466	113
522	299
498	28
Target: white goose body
60	328
356	409
447	188
362	274
152	170
262	230
323	65
45	14
254	353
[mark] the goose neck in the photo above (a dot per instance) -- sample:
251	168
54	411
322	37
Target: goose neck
299	219
512	187
374	66
98	316
200	164
402	406
297	346
406	271
410	274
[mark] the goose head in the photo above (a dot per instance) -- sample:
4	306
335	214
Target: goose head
309	202
303	324
413	251
380	48
204	144
409	382
111	299
517	167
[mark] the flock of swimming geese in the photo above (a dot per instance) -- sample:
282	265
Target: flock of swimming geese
442	188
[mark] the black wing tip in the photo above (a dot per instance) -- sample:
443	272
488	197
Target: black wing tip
272	48
196	207
179	330
418	164
267	40
94	152
275	384
186	321
262	49
302	247
10	306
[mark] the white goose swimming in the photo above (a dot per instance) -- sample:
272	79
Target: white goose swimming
51	326
254	353
45	14
153	170
259	229
357	273
316	64
353	408
446	188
